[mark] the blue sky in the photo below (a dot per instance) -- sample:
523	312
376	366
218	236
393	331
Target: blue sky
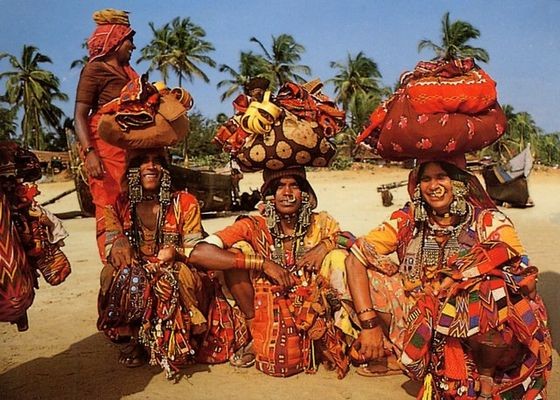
521	36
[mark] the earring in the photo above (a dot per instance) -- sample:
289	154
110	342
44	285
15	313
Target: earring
304	217
420	214
165	187
459	205
269	213
134	186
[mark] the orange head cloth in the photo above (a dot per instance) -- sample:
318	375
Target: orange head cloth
112	29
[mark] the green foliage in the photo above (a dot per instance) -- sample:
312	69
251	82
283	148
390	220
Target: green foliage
35	90
521	132
8	123
178	46
341	162
250	66
455	36
199	144
281	63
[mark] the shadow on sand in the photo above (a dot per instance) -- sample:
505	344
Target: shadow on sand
549	289
87	370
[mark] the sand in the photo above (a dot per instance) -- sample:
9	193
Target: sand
62	356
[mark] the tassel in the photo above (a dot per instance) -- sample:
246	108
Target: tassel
427	393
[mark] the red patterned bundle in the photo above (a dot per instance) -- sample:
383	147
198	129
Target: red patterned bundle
442	108
16	275
454	86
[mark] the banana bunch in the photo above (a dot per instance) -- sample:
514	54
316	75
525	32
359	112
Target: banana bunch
111	16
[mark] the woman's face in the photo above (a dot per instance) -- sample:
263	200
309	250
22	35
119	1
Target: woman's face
288	196
436	188
124	51
151	172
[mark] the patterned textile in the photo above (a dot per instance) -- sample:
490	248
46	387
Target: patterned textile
312	106
17	278
106	38
292	141
162	299
442	108
449	86
487	299
136	106
294	129
31	236
406	133
288	326
227	330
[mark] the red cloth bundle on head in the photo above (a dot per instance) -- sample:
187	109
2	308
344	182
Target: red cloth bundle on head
442	109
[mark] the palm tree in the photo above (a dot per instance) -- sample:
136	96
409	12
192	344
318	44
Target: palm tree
34	89
548	149
158	50
282	60
180	46
81	62
250	66
455	36
8	116
357	75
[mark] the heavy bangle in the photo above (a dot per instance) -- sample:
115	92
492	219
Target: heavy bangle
365	310
243	261
88	150
370	323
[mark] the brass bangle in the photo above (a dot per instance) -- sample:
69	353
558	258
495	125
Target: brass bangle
246	261
370	323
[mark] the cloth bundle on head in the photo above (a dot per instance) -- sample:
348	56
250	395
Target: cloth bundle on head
112	29
294	128
270	176
145	116
442	108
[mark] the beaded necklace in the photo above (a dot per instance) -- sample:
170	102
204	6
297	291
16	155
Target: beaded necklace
433	254
297	238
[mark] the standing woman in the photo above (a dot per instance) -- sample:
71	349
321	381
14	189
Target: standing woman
102	78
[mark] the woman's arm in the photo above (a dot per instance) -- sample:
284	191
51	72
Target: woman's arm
209	256
370	340
93	163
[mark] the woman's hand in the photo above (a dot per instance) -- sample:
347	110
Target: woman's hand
369	344
167	254
444	285
94	166
278	274
121	253
313	258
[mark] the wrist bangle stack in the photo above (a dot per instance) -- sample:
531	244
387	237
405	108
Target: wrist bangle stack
88	150
243	261
370	323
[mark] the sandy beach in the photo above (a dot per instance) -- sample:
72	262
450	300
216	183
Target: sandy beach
63	356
